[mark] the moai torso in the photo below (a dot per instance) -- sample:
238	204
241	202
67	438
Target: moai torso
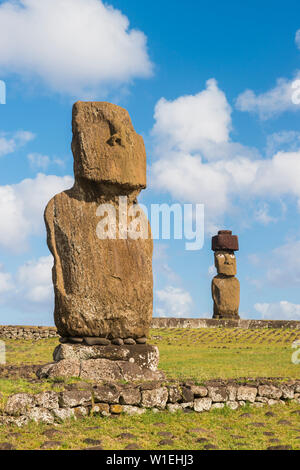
225	286
103	287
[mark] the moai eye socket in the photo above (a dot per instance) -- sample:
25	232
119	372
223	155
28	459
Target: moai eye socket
232	256
115	139
220	255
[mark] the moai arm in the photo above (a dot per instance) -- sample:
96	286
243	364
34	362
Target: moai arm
57	274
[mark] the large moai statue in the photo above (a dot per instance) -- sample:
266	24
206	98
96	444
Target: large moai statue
225	286
103	284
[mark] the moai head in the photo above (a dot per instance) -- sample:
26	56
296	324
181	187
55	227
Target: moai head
224	244
106	147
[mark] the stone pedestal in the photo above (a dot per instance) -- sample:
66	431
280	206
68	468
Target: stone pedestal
104	363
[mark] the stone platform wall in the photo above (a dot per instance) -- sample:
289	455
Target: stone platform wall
27	332
41	332
213	323
79	400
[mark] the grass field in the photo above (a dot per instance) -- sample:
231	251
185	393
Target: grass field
200	354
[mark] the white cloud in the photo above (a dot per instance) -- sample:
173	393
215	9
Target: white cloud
189	122
272	102
9	143
6	282
219	175
173	302
22	206
283	267
34	280
288	141
283	310
78	47
297	38
262	215
38	161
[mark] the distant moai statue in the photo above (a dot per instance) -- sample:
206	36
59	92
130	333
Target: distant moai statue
225	286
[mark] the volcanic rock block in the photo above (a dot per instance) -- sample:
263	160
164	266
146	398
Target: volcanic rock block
225	241
103	287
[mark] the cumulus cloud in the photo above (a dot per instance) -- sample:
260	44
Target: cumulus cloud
22	206
193	171
192	121
272	102
262	214
34	280
283	267
10	142
38	161
283	310
6	282
78	47
287	141
173	302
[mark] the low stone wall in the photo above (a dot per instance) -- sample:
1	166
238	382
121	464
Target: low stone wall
225	323
80	400
41	332
27	332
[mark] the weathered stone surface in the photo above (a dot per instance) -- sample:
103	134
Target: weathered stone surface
144	355
100	408
48	400
245	393
41	415
287	392
232	392
129	341
65	368
187	394
107	393
202	404
62	414
130	396
173	407
94	341
226	296
225	241
81	411
19	404
199	391
233	405
103	288
155	398
116	409
269	391
72	398
218	394
217	406
175	393
133	410
100	369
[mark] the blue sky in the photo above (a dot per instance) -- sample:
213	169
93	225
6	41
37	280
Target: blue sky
209	86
